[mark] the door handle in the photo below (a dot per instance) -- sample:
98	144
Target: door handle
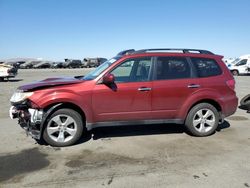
194	86
144	89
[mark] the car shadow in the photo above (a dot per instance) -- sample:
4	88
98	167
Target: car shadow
141	130
135	130
12	80
131	130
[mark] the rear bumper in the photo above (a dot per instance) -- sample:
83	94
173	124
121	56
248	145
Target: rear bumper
230	106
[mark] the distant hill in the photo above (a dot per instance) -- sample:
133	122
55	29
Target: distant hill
19	59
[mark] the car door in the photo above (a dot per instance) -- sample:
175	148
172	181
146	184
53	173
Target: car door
242	66
130	96
172	85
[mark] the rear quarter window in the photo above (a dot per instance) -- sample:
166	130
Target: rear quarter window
206	67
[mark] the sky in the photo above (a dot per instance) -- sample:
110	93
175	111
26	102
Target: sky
58	29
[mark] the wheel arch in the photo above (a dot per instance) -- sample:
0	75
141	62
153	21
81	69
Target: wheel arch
209	101
55	106
50	109
215	103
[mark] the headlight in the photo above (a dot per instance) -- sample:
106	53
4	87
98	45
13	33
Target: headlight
19	96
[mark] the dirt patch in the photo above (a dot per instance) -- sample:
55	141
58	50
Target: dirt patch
237	118
89	159
15	165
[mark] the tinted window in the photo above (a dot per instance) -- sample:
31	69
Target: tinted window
172	68
134	70
206	67
242	62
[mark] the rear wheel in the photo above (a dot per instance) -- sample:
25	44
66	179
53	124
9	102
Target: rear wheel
235	73
64	128
202	120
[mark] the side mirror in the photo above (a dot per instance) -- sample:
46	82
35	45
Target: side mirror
109	79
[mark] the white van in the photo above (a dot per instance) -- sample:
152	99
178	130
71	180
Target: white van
240	66
7	71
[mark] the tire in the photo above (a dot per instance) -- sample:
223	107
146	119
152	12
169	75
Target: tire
245	103
235	73
202	120
64	128
245	100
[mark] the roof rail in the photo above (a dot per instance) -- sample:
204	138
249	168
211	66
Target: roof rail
125	52
180	50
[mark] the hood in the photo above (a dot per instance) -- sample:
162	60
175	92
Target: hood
50	82
5	66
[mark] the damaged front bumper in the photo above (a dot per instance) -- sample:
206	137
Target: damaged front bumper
29	119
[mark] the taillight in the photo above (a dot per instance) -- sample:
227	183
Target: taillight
231	84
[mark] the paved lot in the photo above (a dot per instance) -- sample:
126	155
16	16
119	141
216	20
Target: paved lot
136	156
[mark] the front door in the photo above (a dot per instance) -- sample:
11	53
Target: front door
130	97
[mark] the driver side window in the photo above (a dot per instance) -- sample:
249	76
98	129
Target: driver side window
133	70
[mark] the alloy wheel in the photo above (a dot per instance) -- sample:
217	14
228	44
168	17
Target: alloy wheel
204	120
62	128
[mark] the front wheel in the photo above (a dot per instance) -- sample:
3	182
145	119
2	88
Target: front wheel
202	120
64	128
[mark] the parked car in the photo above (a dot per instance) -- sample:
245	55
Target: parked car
29	64
72	63
15	64
57	65
192	87
43	65
240	66
228	60
93	62
7	71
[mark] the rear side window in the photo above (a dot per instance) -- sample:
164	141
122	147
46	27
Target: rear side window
206	67
169	68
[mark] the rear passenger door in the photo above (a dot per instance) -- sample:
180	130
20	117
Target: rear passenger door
173	83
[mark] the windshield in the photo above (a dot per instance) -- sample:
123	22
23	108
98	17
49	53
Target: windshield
95	73
235	61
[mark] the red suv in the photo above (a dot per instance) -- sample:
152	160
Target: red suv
181	86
